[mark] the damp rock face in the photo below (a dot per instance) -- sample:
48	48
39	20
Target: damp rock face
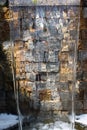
2	2
44	51
4	22
82	60
43	2
44	44
6	82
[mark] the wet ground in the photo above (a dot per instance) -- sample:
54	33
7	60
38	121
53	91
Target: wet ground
50	126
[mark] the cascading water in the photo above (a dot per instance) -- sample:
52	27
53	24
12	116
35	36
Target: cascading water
16	85
43	43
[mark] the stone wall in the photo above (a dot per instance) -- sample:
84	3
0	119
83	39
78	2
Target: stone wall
7	100
44	51
82	58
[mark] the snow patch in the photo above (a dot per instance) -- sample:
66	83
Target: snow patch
7	120
82	119
57	125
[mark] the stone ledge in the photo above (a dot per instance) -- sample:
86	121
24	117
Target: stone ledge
43	2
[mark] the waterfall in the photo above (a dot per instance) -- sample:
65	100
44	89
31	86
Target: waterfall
57	18
75	71
16	86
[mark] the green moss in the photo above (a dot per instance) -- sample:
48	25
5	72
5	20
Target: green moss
34	1
48	121
79	127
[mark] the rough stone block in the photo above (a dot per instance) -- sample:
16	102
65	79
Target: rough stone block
22	83
67	105
51	105
29	67
63	77
52	67
29	57
43	76
63	56
53	76
79	106
82	55
62	86
54	94
65	94
53	56
45	94
40	86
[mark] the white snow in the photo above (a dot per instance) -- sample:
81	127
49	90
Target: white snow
57	125
7	120
82	119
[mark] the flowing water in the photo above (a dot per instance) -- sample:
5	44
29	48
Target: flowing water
42	27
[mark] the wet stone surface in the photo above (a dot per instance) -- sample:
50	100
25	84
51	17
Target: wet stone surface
47	35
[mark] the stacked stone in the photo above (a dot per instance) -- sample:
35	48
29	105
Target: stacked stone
37	64
68	58
5	29
82	61
2	85
43	2
44	56
5	60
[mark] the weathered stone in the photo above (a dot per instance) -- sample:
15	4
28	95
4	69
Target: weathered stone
79	106
52	67
66	35
29	67
63	56
30	77
43	76
84	34
52	77
45	94
42	67
55	94
29	84
40	85
63	77
47	42
51	105
36	105
62	86
84	12
22	83
65	94
29	57
53	56
2	2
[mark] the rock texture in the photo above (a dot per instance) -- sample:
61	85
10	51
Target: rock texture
6	81
82	59
44	51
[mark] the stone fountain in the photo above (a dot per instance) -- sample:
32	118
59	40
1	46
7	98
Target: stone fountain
44	38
